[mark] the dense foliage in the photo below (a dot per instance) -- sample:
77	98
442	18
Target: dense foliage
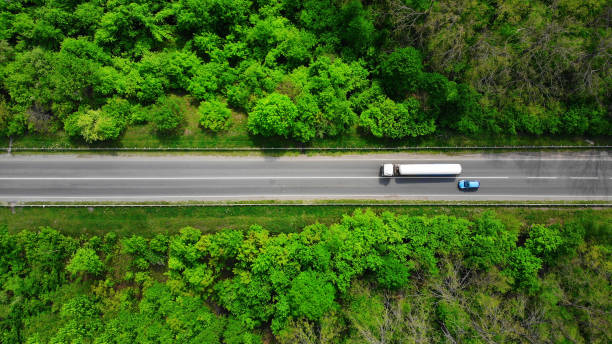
407	68
214	115
369	278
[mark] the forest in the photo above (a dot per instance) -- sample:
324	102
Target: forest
305	70
368	278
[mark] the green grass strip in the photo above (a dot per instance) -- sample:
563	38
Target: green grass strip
148	221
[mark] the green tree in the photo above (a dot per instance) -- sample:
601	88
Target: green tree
94	125
491	242
167	115
357	29
453	319
401	72
146	252
394	273
311	295
85	260
544	242
575	121
523	267
82	321
273	115
215	115
11	123
324	89
308	113
397	120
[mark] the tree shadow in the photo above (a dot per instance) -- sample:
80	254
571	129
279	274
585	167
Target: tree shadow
425	179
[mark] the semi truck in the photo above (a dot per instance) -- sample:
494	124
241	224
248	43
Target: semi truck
399	170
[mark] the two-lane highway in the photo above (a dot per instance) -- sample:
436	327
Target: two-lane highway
527	176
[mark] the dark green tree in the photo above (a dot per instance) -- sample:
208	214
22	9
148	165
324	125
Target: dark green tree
167	115
401	72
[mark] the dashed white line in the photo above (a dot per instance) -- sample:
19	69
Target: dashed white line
241	178
542	177
296	177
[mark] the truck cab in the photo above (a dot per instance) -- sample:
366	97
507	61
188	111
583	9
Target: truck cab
387	170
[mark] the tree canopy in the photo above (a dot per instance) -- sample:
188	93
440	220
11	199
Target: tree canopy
366	276
473	68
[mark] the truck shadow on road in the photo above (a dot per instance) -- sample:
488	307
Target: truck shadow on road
416	180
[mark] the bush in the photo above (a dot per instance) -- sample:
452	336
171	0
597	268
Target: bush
118	108
11	123
575	121
85	260
393	273
391	120
544	242
491	242
311	295
523	267
94	125
167	115
273	115
104	124
238	96
580	120
215	115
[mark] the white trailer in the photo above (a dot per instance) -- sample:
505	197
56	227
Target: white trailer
391	170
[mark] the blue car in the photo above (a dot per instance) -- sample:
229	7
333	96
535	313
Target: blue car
468	185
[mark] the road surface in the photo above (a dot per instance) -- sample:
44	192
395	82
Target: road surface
526	176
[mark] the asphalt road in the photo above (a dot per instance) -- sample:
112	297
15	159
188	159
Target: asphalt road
528	176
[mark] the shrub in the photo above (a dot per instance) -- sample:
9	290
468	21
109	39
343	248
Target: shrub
393	273
85	260
238	96
392	120
311	295
575	121
167	115
491	242
215	115
140	114
104	124
523	267
544	242
273	115
94	125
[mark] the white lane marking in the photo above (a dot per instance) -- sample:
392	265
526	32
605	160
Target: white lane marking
296	177
239	177
297	196
542	177
584	178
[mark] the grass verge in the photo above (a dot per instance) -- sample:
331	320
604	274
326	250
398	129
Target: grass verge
147	221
